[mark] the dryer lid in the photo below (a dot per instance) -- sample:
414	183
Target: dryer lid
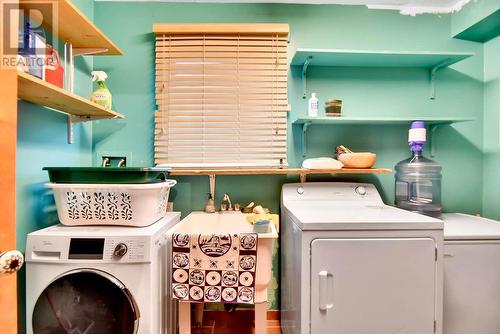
458	226
328	215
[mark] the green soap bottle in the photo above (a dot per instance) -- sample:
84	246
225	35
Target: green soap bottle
101	94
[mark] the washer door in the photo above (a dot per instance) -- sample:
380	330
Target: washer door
85	301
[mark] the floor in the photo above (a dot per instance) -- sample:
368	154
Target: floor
218	322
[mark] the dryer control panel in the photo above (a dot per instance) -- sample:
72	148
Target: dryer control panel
332	191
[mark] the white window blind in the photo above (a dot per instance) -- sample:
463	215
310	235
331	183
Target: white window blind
221	93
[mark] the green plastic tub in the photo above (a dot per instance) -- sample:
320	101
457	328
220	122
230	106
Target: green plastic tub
107	175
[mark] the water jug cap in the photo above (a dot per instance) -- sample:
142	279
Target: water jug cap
417	136
417	125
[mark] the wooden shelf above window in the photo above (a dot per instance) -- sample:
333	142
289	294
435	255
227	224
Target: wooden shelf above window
276	171
76	28
43	93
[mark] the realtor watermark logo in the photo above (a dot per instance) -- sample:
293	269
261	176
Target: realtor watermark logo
27	30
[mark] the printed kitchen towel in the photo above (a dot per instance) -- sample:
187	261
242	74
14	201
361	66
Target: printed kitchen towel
214	268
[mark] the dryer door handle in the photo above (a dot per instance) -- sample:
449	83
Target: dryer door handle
325	290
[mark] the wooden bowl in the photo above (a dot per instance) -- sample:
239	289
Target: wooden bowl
358	159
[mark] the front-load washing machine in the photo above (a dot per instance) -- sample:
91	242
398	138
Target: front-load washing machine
100	280
353	265
471	275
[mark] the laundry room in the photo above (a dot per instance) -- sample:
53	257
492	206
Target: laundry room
272	166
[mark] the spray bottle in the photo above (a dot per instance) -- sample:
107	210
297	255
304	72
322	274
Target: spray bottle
101	94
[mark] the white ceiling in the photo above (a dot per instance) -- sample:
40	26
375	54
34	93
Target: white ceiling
406	7
413	7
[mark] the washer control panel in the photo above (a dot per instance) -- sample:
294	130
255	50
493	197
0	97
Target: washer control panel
126	249
100	244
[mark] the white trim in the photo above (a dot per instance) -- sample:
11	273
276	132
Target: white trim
410	8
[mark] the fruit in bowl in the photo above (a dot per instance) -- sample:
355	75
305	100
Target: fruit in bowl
352	159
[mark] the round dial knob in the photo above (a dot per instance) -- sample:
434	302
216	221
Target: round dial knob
361	190
120	250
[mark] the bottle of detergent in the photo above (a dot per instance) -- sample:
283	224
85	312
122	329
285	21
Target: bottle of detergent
101	94
418	179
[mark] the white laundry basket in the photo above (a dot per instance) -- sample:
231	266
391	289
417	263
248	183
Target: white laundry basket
111	204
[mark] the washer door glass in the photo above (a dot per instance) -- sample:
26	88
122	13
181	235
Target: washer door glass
85	302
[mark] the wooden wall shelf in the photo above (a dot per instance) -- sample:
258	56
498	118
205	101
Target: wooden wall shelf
43	93
302	172
76	28
273	171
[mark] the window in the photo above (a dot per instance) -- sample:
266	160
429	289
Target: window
221	92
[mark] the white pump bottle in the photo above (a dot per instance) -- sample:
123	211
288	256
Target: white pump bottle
313	106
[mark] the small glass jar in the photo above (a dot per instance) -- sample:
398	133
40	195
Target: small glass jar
333	108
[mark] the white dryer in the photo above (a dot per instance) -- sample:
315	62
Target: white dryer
100	280
471	275
353	265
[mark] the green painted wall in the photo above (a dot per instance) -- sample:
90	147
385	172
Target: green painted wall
42	141
365	92
491	207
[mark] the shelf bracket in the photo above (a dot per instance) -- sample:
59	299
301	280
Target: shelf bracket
433	71
303	177
73	119
304	75
432	131
69	67
304	136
